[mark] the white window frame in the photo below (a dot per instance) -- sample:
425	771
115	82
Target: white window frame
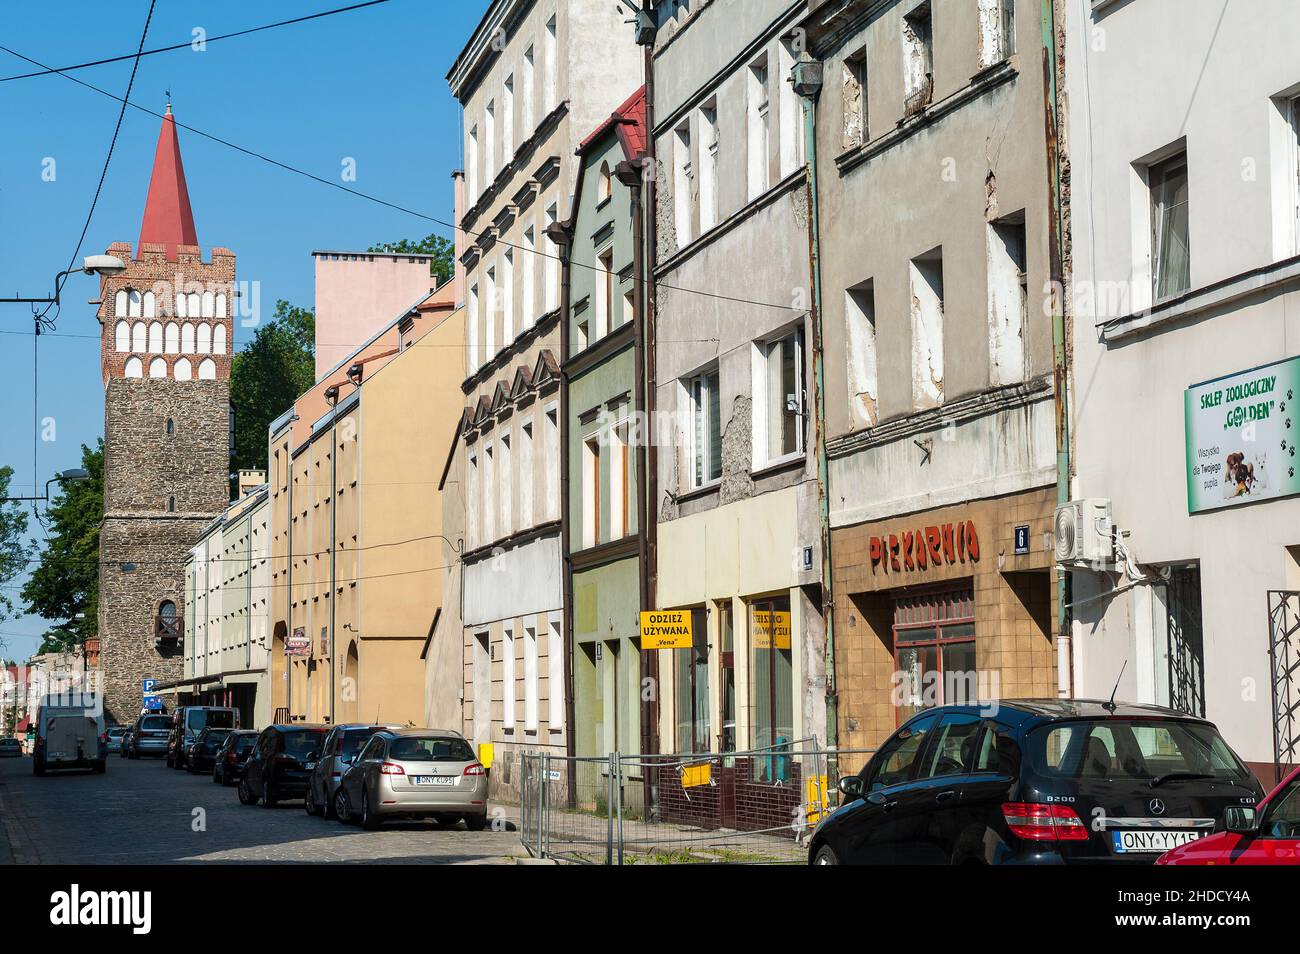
758	101
530	678
508	639
708	121
526	474
762	437
555	674
694	448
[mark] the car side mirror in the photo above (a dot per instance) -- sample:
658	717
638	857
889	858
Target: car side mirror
312	756
1241	819
851	786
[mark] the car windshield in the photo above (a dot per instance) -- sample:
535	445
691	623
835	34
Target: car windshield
302	742
440	749
353	739
245	744
155	722
1134	749
221	718
216	735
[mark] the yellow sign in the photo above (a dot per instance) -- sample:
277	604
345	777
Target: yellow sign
485	754
694	776
816	800
771	630
666	629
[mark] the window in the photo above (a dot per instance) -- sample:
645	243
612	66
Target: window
119	303
492	303
603	187
691	679
472	327
954	747
854	96
157	368
591	491
139	340
187	337
927	329
471	500
629	305
604	292
155	337
771	672
489	495
122	336
757	124
508	676
526	94
219	339
1282	817
530	678
860	315
555	676
897	758
1286	177
526	476
682	184
727	676
934	650
489	141
581	336
552	277
182	370
1008	299
133	303
170	427
780	429
508	121
204	343
997	26
705	427
618	481
1170	246
552	66
708	165
133	368
471	165
507	297
792	149
918	58
528	302
551	449
507	475
172	338
171	504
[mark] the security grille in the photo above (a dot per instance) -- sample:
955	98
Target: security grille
1186	645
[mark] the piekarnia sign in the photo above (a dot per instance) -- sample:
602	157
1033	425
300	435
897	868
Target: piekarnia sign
935	545
94	908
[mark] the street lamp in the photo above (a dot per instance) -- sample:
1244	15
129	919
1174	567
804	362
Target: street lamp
76	473
105	265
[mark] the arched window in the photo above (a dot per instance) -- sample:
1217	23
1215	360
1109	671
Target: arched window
192	303
603	189
134	368
171	504
172	338
207	370
119	303
157	368
133	302
208	304
122	336
204	344
138	336
182	370
221	305
169	625
187	338
181	310
219	339
155	337
150	305
171	427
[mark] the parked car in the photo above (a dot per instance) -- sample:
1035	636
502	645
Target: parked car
70	733
10	748
414	773
1265	835
228	765
188	722
202	755
280	764
1036	782
149	736
340	747
124	744
115	733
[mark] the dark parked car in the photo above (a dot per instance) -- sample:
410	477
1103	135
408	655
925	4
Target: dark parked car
188	722
202	755
281	764
228	766
149	736
1048	781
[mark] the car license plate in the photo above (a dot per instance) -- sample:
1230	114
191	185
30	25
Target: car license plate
58	755
1156	841
434	779
308	766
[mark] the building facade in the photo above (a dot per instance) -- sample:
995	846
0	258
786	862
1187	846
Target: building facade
935	243
737	500
166	330
1187	297
535	76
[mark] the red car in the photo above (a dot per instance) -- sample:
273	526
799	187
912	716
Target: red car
1268	835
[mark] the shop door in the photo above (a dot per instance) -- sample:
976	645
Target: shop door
934	649
1186	644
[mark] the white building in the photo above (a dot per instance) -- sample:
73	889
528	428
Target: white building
1182	144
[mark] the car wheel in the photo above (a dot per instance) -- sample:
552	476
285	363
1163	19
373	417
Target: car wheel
328	806
246	794
369	820
268	796
825	856
309	802
476	822
341	809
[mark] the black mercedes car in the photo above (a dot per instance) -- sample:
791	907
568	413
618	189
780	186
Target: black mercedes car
281	763
228	766
1048	781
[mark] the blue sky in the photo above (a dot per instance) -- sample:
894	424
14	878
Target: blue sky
368	85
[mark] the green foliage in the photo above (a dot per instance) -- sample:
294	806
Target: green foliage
267	376
13	549
65	584
442	250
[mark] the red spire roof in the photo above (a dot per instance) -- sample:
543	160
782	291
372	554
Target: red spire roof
168	219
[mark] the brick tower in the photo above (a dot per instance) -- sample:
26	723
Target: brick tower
166	334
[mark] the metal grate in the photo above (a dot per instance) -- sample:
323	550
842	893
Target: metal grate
1284	676
1186	645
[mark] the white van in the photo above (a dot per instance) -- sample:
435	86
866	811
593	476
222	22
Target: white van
70	733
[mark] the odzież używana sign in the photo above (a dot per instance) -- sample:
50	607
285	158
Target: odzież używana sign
1241	437
666	629
771	630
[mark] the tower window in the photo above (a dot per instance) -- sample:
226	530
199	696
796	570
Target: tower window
171	427
171	504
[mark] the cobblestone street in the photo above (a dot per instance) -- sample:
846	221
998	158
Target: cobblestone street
141	812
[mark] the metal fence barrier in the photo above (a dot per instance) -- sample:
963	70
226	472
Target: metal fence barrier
754	807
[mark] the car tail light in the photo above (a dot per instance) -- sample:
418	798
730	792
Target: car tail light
475	769
232	758
391	768
1044	822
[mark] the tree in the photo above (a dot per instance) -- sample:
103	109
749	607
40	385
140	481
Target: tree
64	587
13	550
267	376
443	251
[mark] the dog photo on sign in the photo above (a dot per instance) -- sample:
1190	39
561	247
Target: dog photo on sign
1239	478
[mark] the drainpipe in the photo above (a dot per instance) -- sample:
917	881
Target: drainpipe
807	79
334	503
1060	355
288	600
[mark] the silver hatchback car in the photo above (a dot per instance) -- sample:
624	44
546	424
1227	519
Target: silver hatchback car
414	773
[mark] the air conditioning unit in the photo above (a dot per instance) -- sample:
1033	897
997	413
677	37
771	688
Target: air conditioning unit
1084	534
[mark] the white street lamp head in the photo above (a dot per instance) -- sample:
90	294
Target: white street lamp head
106	265
76	473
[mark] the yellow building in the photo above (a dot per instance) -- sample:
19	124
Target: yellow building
357	522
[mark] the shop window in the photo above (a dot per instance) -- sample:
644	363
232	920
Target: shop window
691	679
727	676
771	673
934	650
